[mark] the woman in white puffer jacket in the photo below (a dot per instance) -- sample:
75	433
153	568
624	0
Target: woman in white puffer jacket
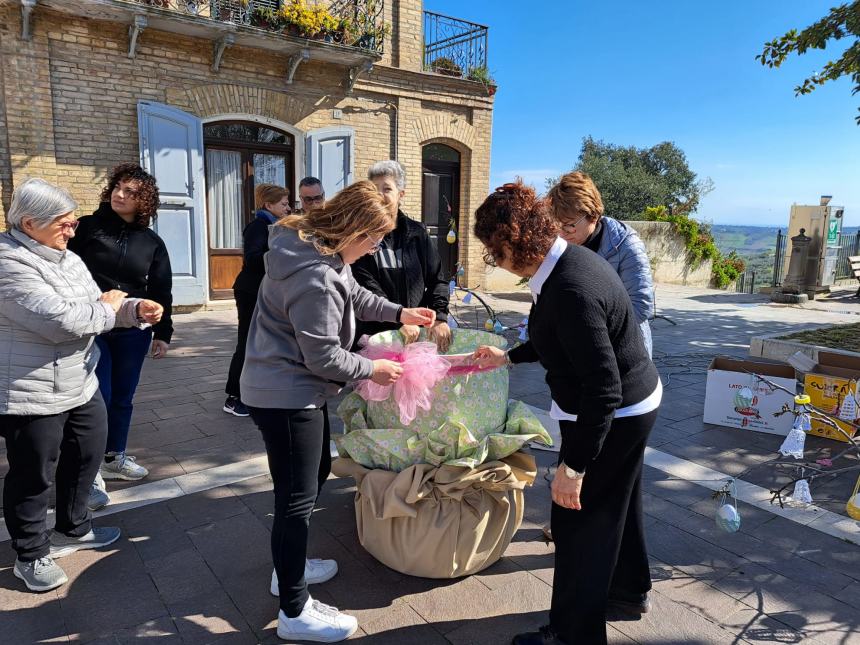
52	416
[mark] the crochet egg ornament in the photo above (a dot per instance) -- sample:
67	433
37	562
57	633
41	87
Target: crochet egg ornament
451	237
728	518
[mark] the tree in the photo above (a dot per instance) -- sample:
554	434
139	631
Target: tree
631	179
842	22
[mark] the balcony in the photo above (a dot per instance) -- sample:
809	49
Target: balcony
351	33
457	48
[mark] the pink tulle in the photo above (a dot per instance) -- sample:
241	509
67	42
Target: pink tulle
423	368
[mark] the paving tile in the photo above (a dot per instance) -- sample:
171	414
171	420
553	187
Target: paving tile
181	575
206	507
160	630
211	617
234	546
754	626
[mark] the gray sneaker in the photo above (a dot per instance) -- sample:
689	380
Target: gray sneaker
122	466
98	498
62	545
40	575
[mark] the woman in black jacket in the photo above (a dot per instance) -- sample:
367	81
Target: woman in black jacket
272	203
605	394
406	269
122	252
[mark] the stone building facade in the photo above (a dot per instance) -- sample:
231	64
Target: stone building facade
89	84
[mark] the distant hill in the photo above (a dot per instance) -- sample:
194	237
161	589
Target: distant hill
751	240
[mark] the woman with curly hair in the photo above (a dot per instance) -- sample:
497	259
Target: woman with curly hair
122	252
605	394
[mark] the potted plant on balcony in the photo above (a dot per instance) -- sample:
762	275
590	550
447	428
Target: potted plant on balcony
266	18
447	66
482	75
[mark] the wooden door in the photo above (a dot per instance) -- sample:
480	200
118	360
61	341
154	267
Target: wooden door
171	150
239	156
440	201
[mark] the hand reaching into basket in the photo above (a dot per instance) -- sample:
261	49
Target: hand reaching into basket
440	332
412	319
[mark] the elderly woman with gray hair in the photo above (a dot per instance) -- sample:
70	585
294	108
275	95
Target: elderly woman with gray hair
406	270
51	413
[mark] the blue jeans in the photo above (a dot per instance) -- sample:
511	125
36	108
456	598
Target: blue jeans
118	371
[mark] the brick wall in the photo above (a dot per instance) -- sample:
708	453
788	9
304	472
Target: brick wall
68	106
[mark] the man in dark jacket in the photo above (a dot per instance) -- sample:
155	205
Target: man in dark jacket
406	269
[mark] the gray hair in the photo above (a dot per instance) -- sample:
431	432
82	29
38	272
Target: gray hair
41	201
310	181
391	169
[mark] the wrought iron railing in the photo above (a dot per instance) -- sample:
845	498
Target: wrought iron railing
455	47
358	23
849	245
746	282
779	259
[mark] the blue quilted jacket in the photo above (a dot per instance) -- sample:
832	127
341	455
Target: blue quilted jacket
622	247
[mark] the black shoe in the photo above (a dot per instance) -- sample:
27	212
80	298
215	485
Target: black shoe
621	608
546	636
235	407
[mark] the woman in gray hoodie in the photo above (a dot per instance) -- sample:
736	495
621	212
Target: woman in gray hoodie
297	356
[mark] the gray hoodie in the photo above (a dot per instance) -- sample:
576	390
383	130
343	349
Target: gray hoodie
304	322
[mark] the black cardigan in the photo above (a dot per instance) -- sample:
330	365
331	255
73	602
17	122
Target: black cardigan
130	258
255	245
420	283
583	330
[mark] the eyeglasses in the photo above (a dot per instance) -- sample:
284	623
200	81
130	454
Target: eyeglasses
489	258
313	199
570	229
69	226
376	245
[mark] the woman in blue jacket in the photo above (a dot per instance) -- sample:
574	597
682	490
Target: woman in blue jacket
576	204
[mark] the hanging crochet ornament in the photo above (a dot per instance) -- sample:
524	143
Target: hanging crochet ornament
853	505
452	322
848	409
498	327
451	287
451	237
524	330
794	442
489	324
802	494
727	517
461	270
467	298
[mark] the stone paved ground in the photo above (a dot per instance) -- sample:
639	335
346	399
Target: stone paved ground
195	569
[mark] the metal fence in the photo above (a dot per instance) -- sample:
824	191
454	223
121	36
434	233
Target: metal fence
848	245
454	47
746	282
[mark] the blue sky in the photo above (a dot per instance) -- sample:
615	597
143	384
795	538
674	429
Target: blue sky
637	73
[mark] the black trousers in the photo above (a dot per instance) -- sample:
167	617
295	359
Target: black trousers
600	550
73	444
245	303
297	446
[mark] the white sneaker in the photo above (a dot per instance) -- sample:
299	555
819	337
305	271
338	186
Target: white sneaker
316	571
122	467
318	623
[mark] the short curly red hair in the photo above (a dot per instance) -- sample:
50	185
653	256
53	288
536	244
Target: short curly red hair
147	192
514	217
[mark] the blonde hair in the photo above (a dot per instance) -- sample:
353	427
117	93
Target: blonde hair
356	211
268	194
575	195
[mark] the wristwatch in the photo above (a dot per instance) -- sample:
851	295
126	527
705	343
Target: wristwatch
571	473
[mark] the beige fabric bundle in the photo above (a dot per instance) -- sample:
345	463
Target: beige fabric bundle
439	522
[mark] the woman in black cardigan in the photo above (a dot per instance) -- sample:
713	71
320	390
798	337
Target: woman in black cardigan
605	394
272	203
123	252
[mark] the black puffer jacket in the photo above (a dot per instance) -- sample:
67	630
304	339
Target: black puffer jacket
126	257
418	281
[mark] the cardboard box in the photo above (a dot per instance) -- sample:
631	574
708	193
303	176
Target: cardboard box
828	385
736	399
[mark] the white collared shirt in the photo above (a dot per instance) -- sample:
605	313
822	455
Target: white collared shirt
536	281
651	403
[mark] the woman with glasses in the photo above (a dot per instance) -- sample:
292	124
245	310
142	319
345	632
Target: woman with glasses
51	413
272	203
297	357
605	394
407	269
122	252
576	204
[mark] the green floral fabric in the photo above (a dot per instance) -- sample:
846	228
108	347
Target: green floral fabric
471	420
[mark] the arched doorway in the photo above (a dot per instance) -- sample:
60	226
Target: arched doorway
238	156
440	199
